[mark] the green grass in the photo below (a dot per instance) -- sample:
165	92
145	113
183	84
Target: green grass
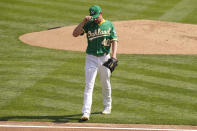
39	84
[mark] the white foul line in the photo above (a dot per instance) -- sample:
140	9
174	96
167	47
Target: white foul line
101	128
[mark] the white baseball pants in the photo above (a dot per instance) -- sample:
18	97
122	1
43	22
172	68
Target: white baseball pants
93	65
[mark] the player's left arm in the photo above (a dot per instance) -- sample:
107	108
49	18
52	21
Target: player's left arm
114	48
114	42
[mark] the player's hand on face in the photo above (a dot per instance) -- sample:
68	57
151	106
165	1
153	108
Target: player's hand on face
87	18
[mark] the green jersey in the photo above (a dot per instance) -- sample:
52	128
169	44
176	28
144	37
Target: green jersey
99	37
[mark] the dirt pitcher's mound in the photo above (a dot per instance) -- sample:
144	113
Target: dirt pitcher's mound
135	37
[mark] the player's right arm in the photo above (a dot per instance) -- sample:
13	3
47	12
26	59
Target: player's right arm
79	29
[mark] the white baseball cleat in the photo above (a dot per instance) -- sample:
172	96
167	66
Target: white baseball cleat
85	117
106	111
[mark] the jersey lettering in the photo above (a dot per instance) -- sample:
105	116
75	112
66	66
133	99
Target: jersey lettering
98	33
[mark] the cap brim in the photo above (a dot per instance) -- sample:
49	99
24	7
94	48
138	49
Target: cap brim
95	16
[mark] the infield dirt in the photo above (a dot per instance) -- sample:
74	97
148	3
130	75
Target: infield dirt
49	126
135	37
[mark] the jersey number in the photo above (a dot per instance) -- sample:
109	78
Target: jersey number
106	42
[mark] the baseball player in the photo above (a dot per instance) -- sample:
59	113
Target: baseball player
101	36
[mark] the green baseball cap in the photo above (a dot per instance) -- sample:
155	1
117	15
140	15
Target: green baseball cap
95	11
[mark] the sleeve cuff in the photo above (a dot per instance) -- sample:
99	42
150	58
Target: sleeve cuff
115	39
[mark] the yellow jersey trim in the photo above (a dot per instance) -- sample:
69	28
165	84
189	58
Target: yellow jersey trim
102	22
115	39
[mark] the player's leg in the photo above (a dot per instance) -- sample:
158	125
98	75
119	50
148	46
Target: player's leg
104	74
90	76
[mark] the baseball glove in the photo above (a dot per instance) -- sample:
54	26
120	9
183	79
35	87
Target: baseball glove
111	64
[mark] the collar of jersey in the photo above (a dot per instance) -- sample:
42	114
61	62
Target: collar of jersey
102	22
